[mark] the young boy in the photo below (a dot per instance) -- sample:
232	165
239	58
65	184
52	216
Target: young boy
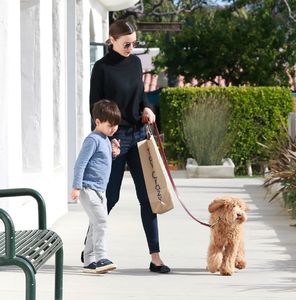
91	174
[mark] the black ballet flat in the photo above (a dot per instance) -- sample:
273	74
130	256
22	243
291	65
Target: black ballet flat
159	269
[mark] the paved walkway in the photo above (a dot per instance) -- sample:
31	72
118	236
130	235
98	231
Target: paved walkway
270	250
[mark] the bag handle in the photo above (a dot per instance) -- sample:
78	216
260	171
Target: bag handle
163	156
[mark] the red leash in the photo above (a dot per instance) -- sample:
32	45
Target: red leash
161	150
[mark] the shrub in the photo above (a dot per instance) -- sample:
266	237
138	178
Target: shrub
255	116
205	127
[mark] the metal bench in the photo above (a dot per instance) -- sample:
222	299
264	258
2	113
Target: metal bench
30	249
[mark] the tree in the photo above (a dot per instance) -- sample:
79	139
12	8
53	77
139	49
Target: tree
159	10
245	41
248	42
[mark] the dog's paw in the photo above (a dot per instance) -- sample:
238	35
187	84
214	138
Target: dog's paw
226	272
212	269
241	264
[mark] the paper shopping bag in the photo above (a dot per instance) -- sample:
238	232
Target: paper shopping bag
159	188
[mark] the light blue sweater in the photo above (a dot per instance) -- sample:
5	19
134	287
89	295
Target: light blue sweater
93	165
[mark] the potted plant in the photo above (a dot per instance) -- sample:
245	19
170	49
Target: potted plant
205	128
281	179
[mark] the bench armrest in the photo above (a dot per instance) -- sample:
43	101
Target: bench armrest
33	193
9	234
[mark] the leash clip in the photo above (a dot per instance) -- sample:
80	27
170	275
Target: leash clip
218	221
148	132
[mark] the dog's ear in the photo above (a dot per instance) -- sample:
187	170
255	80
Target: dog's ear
217	203
246	207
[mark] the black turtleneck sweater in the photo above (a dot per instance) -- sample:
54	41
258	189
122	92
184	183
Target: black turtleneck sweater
118	78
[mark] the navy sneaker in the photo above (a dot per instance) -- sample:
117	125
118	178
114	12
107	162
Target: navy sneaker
91	268
105	265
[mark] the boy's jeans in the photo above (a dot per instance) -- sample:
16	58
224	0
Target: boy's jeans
95	205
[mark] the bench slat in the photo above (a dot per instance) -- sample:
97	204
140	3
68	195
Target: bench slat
36	245
44	249
2	244
24	237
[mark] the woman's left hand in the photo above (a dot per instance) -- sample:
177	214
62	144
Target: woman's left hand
148	116
115	147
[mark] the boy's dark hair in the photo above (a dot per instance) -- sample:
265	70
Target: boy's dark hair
106	111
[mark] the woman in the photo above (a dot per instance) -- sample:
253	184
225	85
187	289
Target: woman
118	77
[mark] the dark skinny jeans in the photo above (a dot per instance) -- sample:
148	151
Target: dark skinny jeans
129	154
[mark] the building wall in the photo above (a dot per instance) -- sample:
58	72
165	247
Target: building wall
44	90
34	121
10	96
38	109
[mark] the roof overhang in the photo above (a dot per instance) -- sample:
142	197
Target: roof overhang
115	5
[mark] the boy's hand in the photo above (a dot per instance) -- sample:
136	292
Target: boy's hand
75	194
115	147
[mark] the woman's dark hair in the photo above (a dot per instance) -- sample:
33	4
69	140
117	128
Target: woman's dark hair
106	111
120	28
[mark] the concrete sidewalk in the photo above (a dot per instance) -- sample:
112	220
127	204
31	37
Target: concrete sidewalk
270	250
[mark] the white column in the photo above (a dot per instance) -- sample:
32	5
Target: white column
83	69
46	86
41	115
59	84
100	21
31	85
10	97
78	72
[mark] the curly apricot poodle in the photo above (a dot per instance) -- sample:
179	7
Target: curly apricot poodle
226	250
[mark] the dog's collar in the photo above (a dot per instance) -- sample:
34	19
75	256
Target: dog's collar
218	221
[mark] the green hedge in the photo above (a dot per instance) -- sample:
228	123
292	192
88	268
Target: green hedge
256	116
